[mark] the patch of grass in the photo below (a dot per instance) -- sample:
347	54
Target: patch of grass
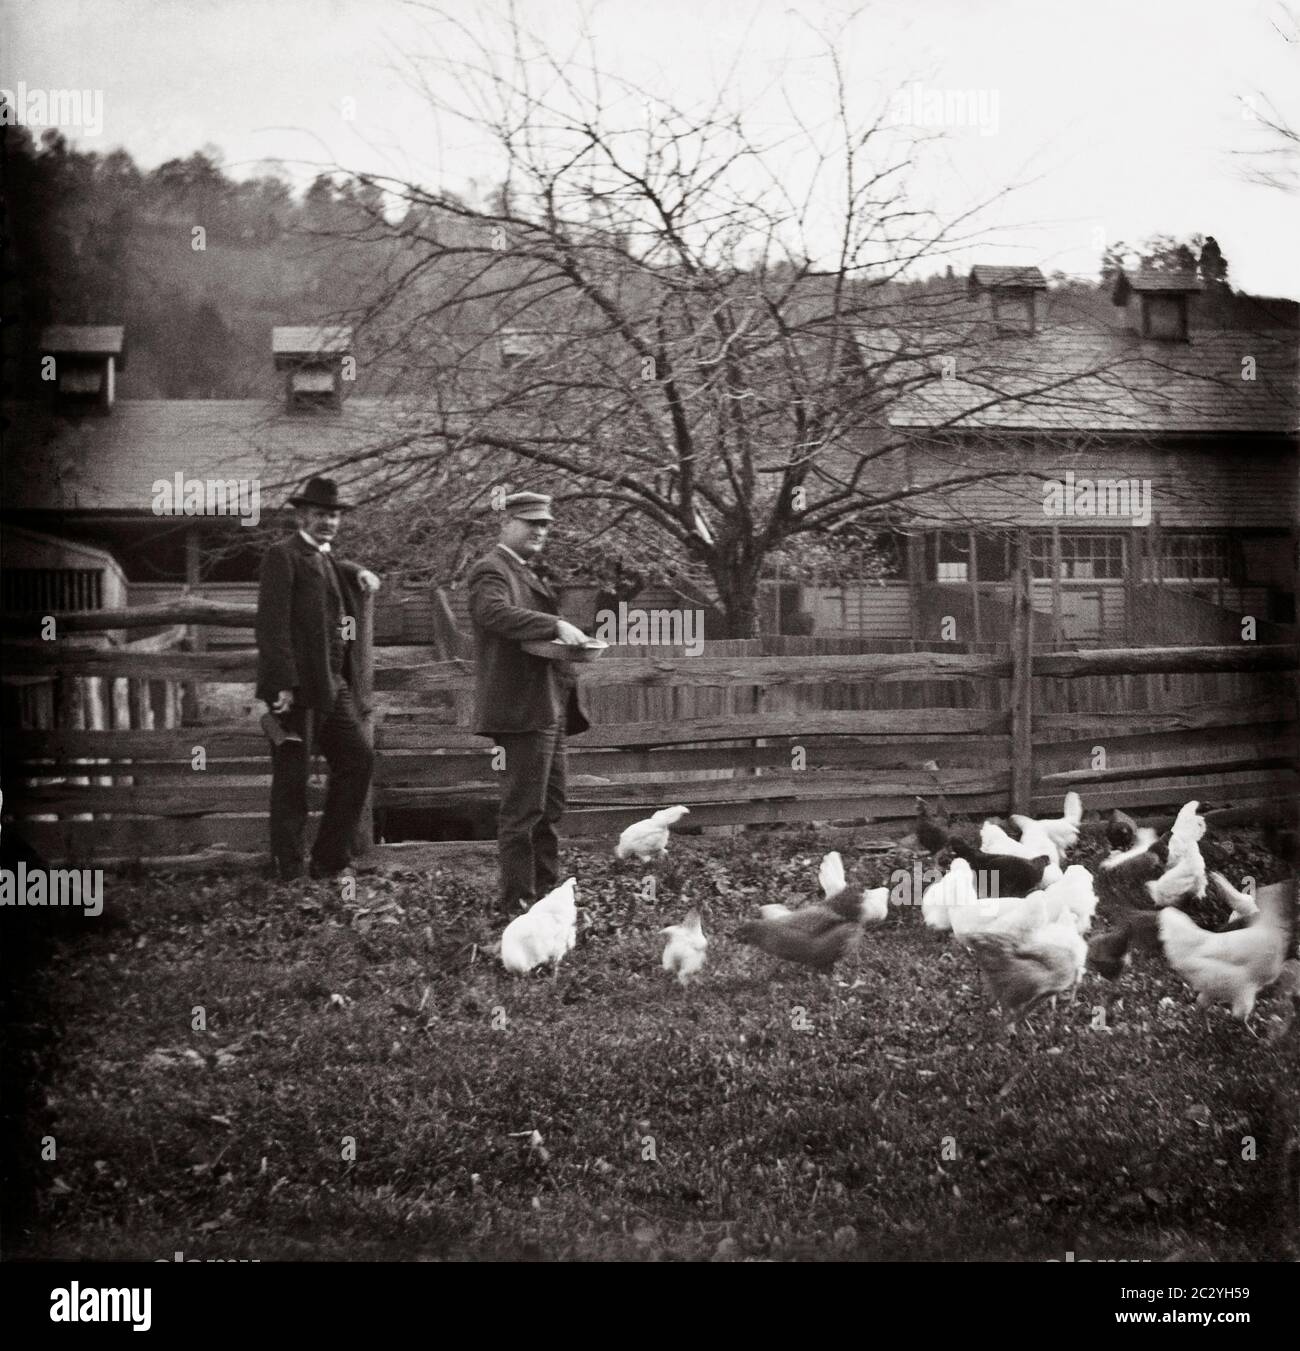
675	1123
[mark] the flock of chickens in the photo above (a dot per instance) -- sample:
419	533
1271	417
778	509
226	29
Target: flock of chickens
1007	900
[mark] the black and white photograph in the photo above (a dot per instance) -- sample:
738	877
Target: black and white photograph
644	631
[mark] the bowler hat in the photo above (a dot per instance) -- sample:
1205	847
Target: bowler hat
528	507
320	492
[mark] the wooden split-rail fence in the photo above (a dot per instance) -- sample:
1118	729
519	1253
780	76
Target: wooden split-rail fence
790	736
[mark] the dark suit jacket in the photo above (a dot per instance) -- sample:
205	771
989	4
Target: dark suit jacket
294	612
515	691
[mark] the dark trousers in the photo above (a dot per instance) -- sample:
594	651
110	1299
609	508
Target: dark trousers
532	803
339	736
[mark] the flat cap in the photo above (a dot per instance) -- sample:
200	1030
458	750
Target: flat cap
528	507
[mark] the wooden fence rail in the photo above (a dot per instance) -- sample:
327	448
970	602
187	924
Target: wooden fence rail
973	725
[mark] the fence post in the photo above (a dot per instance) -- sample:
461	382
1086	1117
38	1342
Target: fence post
1022	685
363	656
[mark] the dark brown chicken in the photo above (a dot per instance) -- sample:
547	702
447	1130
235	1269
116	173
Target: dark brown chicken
1121	830
1108	953
932	826
814	935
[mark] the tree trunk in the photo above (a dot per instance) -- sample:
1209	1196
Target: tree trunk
738	594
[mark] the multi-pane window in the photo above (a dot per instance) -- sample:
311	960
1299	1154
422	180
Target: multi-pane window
1196	558
950	557
952	563
1083	557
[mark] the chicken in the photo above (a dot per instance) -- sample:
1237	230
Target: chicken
1063	831
1075	891
1122	831
830	876
1023	970
995	840
1231	967
684	951
1188	828
1143	838
648	840
1110	953
1036	839
931	831
543	933
955	888
875	905
814	935
1010	915
1184	877
1003	874
1244	906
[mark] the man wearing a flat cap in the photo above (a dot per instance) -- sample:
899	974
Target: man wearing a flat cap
308	601
528	705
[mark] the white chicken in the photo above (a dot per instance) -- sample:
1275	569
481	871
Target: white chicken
955	888
648	840
1008	915
995	840
1035	837
1245	906
1075	891
543	933
1188	828
830	876
1062	830
1231	967
684	951
1184	877
1146	837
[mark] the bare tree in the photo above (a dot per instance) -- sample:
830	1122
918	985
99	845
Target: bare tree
696	333
1275	162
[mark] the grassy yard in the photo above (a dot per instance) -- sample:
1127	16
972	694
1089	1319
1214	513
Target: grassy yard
700	1123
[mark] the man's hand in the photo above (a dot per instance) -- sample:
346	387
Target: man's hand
569	634
368	580
283	702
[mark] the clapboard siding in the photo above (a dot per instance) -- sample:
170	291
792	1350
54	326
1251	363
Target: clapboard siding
873	611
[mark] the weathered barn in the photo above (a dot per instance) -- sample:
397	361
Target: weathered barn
1153	467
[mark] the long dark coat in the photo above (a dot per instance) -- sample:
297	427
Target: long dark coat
515	691
294	611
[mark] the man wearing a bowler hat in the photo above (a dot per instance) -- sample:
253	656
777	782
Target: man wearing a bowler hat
308	603
528	705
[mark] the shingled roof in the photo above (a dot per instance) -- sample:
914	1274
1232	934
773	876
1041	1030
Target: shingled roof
110	463
986	275
1088	380
1147	280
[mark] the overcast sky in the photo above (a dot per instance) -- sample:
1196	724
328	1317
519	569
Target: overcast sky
1117	118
